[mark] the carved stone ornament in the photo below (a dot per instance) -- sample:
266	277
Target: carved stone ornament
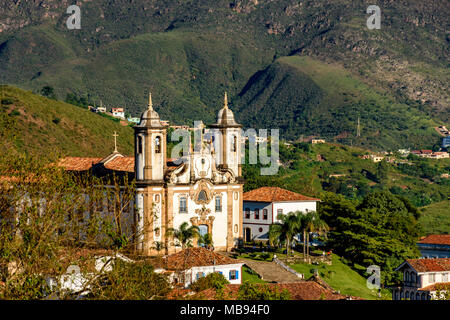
203	194
203	212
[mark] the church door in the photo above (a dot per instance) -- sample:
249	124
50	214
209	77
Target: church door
203	229
248	234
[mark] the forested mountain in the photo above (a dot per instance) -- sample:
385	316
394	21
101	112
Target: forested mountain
319	56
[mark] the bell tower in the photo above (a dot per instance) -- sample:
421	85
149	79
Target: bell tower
150	146
150	165
229	132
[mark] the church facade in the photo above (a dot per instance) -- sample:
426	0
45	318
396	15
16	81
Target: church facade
203	187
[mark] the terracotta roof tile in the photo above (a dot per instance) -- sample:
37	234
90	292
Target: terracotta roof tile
303	290
274	194
430	265
435	286
121	164
436	239
196	257
78	163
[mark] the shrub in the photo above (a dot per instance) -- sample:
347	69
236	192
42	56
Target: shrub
213	280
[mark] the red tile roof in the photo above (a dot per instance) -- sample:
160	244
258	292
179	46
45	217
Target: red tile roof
78	163
303	290
436	239
121	164
435	286
196	257
274	194
430	265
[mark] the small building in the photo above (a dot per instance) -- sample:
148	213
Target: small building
421	278
189	265
440	155
263	205
435	246
118	113
446	142
375	158
134	120
316	141
101	110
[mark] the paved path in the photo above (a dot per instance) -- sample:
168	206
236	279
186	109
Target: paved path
270	271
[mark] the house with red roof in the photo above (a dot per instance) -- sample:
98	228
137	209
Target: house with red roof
263	205
422	278
435	246
189	265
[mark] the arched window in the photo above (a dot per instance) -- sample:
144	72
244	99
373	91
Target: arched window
234	144
158	144
407	276
417	296
265	215
247	213
407	295
257	214
139	144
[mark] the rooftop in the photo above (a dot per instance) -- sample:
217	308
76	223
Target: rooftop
443	239
274	194
430	265
196	257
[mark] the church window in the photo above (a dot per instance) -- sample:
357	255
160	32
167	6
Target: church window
157	232
257	214
265	215
234	144
202	196
139	144
236	228
158	144
183	205
218	204
247	213
157	198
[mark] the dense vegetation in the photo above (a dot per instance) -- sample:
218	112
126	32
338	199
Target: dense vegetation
189	52
381	230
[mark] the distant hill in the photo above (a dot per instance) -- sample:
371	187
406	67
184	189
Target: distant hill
300	94
36	125
189	52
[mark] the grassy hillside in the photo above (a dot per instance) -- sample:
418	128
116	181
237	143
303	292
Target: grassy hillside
341	278
41	126
313	98
435	218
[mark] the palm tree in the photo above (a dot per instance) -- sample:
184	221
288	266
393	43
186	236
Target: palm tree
206	240
284	230
313	223
184	234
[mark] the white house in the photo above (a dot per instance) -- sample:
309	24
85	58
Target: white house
421	278
189	265
118	113
263	205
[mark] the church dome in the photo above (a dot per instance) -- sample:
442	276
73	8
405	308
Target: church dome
226	116
150	118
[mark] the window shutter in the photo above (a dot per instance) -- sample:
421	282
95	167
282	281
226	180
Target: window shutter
229	275
237	274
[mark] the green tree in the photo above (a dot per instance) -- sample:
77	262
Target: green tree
48	92
213	280
184	234
313	224
253	291
284	230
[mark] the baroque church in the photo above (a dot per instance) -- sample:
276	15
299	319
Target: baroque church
205	189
